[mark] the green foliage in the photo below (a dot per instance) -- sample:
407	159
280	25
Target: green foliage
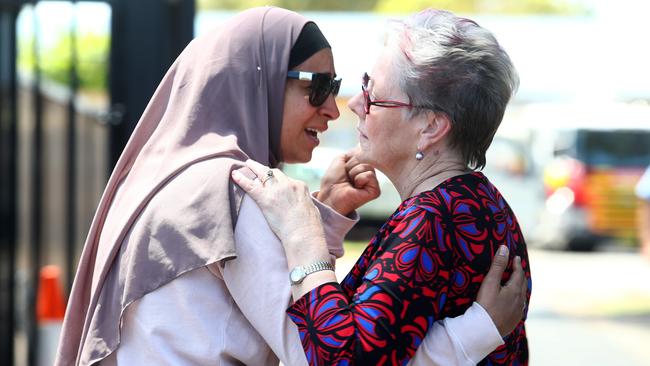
298	5
92	60
561	7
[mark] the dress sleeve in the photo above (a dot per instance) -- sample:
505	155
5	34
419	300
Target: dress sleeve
402	287
461	341
258	279
336	226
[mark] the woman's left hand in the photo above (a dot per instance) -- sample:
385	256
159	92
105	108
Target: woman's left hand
286	205
506	304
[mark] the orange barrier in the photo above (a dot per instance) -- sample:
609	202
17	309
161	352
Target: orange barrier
50	310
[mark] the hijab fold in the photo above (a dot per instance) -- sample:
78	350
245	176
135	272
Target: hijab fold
169	206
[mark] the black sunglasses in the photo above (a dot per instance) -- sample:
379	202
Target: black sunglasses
322	85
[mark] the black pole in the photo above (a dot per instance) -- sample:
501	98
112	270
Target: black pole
8	170
71	206
146	38
37	198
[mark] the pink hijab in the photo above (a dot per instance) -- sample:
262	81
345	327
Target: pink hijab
169	206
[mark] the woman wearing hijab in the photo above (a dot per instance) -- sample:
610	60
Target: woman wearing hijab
427	114
181	268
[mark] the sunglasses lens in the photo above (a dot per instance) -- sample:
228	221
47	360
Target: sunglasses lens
336	85
321	86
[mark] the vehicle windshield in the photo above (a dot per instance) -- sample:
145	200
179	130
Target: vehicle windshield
614	148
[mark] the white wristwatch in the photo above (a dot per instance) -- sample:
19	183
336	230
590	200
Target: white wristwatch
298	274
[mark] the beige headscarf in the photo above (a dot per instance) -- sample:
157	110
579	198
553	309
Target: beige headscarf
169	206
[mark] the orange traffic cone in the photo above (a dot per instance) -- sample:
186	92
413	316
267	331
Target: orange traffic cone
50	309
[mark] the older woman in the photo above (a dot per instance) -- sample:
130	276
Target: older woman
427	114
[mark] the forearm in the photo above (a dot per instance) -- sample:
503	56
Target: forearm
335	227
327	326
374	324
258	279
463	340
306	245
311	282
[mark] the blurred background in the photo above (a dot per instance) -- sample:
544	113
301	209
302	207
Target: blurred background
76	75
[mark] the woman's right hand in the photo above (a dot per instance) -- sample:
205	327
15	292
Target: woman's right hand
288	209
504	304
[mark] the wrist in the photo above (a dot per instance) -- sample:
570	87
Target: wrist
299	273
341	208
311	282
305	245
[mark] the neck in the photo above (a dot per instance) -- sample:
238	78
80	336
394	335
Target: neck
419	176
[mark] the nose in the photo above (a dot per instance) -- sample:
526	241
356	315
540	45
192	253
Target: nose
329	109
356	105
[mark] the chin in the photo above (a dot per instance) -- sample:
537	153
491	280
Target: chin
301	158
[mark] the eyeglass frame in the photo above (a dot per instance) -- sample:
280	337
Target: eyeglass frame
383	103
333	87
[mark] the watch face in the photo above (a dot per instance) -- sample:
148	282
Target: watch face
297	274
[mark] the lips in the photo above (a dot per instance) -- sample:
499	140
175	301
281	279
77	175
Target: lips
361	134
313	134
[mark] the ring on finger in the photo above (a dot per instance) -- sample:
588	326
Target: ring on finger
267	176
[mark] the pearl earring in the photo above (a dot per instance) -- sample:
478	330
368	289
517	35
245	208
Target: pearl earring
419	155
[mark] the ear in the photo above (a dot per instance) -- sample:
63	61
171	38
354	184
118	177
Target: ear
436	128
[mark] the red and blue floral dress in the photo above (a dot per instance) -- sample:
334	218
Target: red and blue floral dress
426	263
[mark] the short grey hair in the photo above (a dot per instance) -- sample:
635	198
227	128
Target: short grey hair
450	64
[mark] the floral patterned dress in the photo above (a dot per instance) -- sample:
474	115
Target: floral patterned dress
426	263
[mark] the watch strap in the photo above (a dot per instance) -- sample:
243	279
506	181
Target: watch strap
308	269
318	266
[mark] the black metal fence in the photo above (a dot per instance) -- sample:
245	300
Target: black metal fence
8	107
57	148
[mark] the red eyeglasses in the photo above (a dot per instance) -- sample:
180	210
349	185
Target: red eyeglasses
381	103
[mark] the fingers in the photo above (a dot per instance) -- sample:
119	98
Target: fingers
524	286
524	281
362	179
517	278
260	170
340	161
243	181
498	266
257	168
350	161
358	169
517	286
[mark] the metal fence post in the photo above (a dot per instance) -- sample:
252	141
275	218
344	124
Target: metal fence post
146	38
8	176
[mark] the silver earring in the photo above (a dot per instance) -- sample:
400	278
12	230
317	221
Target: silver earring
419	155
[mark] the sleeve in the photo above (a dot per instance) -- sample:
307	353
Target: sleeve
258	279
403	288
461	341
643	186
336	226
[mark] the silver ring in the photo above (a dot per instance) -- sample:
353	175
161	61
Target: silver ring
269	175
